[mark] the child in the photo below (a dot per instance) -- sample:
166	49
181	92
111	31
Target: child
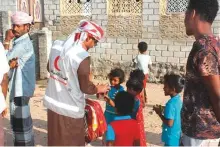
138	74
143	62
116	77
123	131
173	85
134	87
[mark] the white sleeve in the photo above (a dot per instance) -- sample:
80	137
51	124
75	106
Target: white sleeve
3	60
150	61
4	68
135	60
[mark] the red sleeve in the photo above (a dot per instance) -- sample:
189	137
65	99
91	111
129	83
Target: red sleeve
137	132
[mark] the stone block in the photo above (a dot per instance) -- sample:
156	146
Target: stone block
153	58
148	22
173	48
95	55
94	5
98	1
116	46
52	7
116	57
132	41
122	40
173	60
132	52
100	50
110	51
167	54
104	11
105	45
92	50
106	56
156	11
94	17
49	2
122	52
161	59
154	17
104	23
111	40
179	42
145	16
153	29
187	54
52	17
56	12
145	6
161	47
127	57
183	60
102	17
48	12
151	47
127	46
156	41
180	54
101	6
156	23
155	53
186	48
153	5
148	11
57	2
168	42
97	11
135	46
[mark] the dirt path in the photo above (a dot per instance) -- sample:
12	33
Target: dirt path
39	115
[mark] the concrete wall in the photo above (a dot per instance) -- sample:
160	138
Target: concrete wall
8	5
167	50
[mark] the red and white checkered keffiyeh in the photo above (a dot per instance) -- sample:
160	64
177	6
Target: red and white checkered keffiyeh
85	29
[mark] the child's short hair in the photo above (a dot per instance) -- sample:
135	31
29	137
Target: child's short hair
174	81
135	84
117	72
138	74
124	103
142	47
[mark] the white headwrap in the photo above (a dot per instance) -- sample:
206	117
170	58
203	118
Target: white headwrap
85	29
20	18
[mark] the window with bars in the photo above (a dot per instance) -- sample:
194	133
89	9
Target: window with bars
125	18
176	6
121	7
70	8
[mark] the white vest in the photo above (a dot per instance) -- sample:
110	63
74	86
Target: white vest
63	94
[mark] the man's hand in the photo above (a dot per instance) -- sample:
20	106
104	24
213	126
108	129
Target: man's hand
9	35
4	112
103	88
13	63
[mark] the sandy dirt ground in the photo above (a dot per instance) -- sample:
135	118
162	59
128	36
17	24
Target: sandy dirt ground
39	115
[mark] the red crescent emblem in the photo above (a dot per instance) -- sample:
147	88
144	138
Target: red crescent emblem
56	63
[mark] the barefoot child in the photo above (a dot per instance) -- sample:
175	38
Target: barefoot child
171	128
116	77
134	87
123	131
